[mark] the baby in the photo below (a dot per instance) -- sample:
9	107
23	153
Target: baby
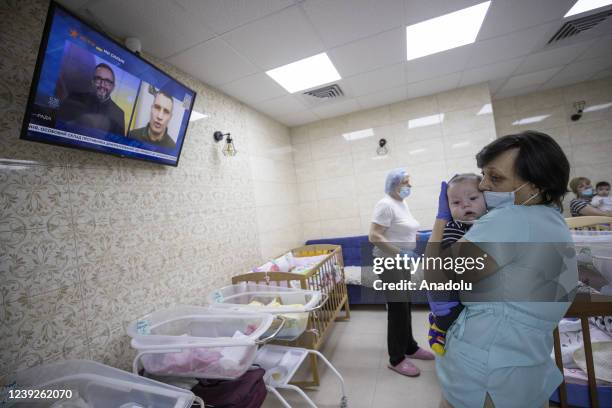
466	204
602	200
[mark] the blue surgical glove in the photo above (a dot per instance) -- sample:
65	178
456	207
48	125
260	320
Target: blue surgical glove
440	308
443	208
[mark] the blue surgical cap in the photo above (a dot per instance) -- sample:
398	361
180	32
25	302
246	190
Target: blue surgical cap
394	178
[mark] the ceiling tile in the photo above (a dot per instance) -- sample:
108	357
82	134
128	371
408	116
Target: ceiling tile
552	58
277	39
531	79
141	18
508	46
433	86
381	98
213	62
584	68
298	118
489	72
503	93
223	16
383	49
436	65
336	109
282	106
507	16
561	81
342	21
254	89
601	48
370	82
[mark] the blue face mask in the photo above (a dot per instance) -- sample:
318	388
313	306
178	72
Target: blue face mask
588	192
404	192
501	199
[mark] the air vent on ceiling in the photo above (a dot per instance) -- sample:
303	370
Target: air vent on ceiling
579	25
326	92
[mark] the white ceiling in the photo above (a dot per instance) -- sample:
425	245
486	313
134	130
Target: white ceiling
229	44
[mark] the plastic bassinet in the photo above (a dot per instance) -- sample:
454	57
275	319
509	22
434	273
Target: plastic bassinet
586	241
193	341
89	384
294	305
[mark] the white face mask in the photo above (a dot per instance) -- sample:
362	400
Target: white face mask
404	192
501	199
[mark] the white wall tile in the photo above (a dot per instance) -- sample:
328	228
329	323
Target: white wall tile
413	108
349	185
418	151
467	144
466	120
333	167
503	107
308	211
462	98
334	208
307	191
334	187
326	147
301	152
587	143
590	132
594	153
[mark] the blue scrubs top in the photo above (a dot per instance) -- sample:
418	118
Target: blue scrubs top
503	347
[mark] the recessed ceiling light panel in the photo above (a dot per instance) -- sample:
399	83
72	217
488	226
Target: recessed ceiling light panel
304	74
445	32
585	5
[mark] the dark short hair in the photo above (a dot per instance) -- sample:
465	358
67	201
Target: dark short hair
602	184
103	65
166	94
540	161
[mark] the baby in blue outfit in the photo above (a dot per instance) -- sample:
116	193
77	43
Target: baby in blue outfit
467	204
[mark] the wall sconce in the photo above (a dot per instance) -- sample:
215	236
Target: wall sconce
229	149
382	149
579	106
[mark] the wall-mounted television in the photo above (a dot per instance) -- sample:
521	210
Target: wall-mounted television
90	92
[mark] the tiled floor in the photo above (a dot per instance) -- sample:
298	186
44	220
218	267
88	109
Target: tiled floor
358	349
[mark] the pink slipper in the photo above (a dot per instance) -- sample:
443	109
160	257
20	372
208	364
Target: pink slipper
406	368
421	354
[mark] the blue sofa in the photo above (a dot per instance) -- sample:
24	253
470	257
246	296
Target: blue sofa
353	250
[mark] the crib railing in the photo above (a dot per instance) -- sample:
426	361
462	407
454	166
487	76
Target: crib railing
326	276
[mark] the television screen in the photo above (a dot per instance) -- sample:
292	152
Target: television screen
90	92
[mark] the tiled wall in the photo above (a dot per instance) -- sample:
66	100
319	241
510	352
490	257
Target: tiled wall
340	177
587	142
88	242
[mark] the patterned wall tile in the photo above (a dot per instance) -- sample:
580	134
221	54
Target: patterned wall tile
33	262
36	329
133	236
35	195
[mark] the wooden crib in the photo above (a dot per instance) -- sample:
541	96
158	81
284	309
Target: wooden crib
583	307
320	277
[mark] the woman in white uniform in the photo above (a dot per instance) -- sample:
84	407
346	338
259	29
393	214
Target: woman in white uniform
393	231
498	349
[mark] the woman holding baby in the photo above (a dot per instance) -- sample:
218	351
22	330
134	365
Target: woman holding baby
496	352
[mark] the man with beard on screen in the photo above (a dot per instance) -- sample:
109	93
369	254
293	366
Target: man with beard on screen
95	109
156	131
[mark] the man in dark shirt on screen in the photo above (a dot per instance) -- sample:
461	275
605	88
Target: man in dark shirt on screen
95	109
156	131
